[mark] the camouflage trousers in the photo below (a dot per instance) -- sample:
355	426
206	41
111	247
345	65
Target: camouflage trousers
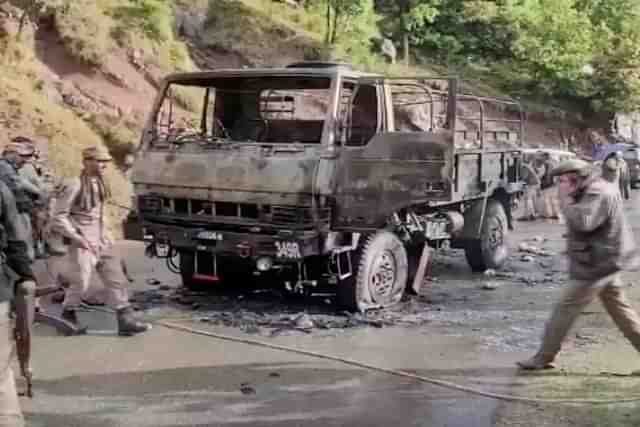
10	412
575	299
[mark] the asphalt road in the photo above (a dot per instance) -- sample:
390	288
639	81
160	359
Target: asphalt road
167	378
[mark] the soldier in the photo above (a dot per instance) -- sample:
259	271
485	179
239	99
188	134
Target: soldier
615	171
79	217
549	189
30	172
25	193
14	252
532	180
600	244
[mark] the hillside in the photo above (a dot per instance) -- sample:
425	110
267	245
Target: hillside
85	72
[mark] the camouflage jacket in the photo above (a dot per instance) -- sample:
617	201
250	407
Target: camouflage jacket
600	241
23	191
14	249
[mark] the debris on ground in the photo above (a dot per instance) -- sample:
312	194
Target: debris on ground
530	249
490	272
490	286
247	389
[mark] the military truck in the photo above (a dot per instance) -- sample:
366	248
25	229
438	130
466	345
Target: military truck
318	177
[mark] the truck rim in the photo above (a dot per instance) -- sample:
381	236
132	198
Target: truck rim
383	276
496	236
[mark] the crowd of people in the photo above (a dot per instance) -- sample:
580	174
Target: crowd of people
67	221
541	197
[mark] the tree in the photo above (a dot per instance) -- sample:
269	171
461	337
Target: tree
339	13
409	19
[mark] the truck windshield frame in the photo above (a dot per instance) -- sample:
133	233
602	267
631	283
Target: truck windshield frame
244	109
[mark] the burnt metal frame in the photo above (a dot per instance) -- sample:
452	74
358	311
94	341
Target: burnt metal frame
452	97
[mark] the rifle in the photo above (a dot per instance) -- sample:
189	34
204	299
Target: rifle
26	293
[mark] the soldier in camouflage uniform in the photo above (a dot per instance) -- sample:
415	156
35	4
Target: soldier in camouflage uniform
31	172
15	156
14	251
600	244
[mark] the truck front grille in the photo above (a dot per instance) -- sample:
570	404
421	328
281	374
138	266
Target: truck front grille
220	210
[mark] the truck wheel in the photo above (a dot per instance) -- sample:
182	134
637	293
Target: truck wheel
490	250
381	274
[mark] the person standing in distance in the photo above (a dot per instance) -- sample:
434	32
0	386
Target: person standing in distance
600	244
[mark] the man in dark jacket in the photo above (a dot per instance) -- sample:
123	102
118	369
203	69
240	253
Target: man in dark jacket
600	244
14	254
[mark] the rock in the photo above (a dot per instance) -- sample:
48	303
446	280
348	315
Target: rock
527	258
274	375
247	389
389	50
303	321
490	272
251	329
189	24
490	286
524	247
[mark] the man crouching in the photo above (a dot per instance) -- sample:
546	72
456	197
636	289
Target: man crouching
79	216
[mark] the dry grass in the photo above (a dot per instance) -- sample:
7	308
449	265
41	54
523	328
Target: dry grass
23	110
85	30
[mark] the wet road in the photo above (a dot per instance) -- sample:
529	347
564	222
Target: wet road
168	378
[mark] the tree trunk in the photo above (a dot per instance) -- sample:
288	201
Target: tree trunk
334	30
327	31
405	43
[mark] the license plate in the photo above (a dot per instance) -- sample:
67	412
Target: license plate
162	250
289	250
209	235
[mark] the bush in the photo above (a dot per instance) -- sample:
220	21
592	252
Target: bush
85	30
153	18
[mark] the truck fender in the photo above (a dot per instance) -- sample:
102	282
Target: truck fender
472	221
474	216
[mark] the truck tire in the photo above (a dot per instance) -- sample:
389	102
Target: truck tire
380	275
490	250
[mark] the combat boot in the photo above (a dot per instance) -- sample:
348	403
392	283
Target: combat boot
71	317
128	325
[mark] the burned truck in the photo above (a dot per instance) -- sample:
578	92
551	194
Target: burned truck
318	178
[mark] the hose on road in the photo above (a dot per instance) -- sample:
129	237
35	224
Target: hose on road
394	372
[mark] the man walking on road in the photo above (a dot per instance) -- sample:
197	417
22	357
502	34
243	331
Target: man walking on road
600	244
79	216
14	253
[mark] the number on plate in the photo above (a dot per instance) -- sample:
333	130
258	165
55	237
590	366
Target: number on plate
288	250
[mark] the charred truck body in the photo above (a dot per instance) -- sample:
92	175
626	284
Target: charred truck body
318	176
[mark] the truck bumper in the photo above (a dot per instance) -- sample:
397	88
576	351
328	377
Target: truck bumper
281	247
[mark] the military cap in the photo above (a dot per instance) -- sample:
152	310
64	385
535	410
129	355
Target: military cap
98	153
572	166
20	149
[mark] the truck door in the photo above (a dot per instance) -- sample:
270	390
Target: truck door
381	170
